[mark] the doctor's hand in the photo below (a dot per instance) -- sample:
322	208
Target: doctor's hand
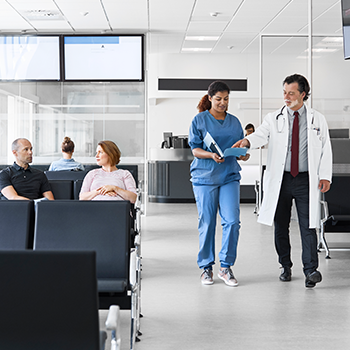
324	186
241	143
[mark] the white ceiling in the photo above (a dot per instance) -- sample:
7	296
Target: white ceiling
238	23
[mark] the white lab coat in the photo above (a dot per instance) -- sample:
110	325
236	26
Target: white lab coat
275	133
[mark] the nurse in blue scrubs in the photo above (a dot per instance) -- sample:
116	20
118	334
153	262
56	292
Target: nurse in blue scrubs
215	182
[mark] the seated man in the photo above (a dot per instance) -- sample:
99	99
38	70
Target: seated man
21	181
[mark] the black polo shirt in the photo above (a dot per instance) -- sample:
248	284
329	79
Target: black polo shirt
30	183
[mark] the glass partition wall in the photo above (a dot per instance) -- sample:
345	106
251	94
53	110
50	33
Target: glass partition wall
327	72
46	112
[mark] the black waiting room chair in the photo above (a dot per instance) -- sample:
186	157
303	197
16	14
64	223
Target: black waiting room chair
62	189
49	301
65	175
101	226
16	224
335	217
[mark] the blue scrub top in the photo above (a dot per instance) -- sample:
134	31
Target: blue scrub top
207	171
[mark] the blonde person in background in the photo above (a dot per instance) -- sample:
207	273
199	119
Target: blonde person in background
66	162
108	182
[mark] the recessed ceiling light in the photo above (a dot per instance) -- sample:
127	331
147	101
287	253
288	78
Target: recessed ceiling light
335	39
42	15
306	57
202	38
196	49
322	50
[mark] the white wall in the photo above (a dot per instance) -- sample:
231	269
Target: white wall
174	110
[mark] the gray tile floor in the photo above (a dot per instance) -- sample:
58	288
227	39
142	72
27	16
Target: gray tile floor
261	313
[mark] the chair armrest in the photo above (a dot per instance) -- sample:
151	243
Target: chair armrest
113	318
326	211
137	240
132	272
113	324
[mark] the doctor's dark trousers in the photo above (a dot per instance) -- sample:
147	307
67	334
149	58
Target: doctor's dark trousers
297	188
210	199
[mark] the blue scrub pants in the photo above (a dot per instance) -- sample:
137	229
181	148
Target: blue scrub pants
209	199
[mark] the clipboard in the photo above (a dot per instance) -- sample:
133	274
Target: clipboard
214	147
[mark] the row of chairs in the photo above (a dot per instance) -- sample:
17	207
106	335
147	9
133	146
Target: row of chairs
44	167
67	185
68	225
335	213
49	300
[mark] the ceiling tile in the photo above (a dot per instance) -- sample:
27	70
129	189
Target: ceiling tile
170	15
128	15
207	26
222	7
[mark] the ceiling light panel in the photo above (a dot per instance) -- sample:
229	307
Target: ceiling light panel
195	49
41	15
201	38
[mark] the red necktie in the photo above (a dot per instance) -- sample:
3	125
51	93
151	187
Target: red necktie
294	165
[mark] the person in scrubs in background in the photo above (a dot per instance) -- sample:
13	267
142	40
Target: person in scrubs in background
216	182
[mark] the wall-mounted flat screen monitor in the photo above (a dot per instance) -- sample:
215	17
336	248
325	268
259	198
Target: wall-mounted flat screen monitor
346	27
103	58
34	58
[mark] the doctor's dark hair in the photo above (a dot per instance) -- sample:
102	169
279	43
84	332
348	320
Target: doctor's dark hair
216	86
112	151
303	84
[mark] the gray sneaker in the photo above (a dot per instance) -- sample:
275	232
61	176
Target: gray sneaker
227	276
207	277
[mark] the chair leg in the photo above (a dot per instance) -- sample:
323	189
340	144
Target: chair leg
134	320
323	243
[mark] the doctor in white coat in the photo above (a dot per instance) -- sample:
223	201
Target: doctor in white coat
304	180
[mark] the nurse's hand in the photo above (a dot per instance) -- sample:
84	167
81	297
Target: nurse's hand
244	158
324	186
241	143
217	158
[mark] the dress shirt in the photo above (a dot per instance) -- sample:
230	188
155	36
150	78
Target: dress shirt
303	158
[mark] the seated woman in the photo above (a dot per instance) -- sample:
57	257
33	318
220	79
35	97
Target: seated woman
66	162
108	182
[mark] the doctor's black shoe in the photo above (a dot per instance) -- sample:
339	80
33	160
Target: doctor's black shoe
312	278
286	274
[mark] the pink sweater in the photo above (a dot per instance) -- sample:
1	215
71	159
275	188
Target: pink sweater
96	178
